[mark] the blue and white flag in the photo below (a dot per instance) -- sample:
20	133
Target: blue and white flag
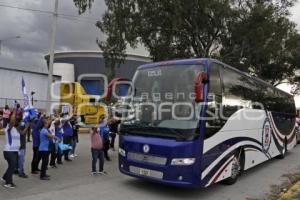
30	112
15	103
65	108
25	95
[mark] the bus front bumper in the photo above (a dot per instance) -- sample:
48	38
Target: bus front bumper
182	176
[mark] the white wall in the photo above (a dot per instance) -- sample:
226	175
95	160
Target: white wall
11	87
65	70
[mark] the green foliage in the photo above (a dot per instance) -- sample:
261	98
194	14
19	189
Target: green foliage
262	42
255	36
167	28
83	5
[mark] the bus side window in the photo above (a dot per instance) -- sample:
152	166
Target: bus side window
213	121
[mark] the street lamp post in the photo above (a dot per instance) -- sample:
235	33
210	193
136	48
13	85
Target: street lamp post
51	60
32	93
10	38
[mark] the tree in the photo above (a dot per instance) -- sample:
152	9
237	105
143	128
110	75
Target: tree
255	36
83	5
167	28
263	42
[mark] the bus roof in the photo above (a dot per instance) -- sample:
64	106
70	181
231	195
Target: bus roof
175	62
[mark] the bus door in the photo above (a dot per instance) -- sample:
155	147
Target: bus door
213	119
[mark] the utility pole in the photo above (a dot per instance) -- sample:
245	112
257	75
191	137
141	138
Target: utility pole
51	61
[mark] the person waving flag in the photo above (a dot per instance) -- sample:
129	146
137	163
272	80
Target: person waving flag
29	111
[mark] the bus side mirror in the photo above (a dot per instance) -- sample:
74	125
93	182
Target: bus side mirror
200	79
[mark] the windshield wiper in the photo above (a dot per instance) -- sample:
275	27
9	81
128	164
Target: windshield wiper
126	127
179	134
160	131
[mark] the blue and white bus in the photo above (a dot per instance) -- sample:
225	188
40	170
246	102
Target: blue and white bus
197	122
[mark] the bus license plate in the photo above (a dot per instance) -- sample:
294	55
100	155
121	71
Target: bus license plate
145	172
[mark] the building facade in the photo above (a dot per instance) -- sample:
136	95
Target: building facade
36	81
92	62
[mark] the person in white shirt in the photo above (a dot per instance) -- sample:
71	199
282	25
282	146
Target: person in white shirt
11	149
52	144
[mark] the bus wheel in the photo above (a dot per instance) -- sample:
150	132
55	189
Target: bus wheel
283	151
235	170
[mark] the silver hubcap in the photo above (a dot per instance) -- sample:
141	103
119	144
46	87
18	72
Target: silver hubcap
236	168
283	151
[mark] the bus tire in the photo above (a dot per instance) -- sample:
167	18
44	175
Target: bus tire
283	151
237	166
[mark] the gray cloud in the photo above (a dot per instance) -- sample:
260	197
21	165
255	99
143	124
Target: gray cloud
35	29
295	11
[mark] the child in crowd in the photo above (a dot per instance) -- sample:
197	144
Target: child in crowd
103	129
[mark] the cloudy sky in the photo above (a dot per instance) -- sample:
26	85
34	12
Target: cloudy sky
73	33
35	28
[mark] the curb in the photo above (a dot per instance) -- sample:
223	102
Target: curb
292	191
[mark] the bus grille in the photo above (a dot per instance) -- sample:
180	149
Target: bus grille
147	158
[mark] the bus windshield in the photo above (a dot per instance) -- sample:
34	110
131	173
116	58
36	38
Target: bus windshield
163	102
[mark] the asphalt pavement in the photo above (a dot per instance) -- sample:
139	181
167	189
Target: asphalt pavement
73	181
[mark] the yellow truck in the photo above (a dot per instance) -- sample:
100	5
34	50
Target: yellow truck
90	107
86	106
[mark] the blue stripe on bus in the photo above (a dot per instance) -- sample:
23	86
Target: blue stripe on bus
218	150
174	62
215	169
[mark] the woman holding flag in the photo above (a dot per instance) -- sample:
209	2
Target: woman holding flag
11	149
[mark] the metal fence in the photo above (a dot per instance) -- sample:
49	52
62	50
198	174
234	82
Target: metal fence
39	104
55	106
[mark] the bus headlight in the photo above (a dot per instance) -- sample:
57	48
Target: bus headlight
183	161
122	152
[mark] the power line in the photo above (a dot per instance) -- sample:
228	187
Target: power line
77	19
61	15
28	9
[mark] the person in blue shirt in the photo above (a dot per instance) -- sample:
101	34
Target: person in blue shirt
36	127
45	138
103	129
75	138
